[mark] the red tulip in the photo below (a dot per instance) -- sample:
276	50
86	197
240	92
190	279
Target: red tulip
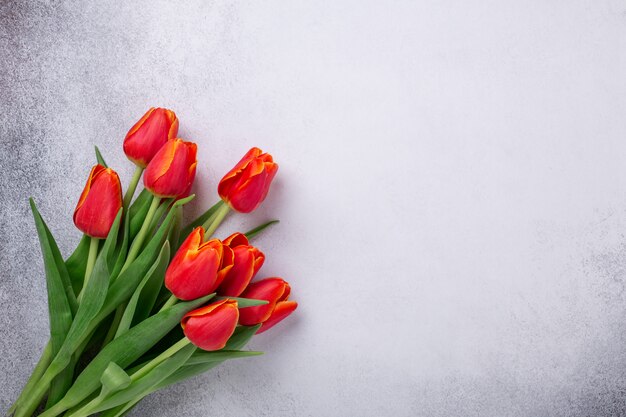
99	203
172	170
149	134
274	290
247	260
211	326
195	270
245	186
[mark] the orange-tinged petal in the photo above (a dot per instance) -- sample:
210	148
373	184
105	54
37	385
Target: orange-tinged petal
211	326
149	134
246	185
282	310
236	239
247	261
99	202
193	272
271	290
171	172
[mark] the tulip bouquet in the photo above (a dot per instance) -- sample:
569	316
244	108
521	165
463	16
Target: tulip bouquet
116	303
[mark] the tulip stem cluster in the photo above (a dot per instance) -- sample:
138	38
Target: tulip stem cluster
137	244
149	280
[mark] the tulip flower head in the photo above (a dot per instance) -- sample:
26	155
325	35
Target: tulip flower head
247	260
246	185
211	326
149	134
196	269
274	290
99	202
172	170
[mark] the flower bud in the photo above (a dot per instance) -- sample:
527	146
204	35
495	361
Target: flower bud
149	134
172	170
274	290
195	269
245	186
247	260
99	203
211	326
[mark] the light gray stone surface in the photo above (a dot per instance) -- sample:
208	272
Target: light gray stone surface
452	190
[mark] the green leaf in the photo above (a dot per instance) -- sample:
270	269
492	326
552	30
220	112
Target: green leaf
200	220
245	302
126	349
151	290
237	341
138	211
60	313
124	285
122	250
202	356
99	158
142	386
65	278
77	263
159	265
114	378
93	298
174	235
250	234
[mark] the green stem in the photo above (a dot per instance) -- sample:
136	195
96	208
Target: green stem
170	302
39	370
135	248
163	208
214	221
31	403
91	261
156	361
130	192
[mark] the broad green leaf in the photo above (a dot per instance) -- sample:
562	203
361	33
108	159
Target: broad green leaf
143	385
174	235
237	341
62	383
65	278
99	158
201	356
245	302
131	307
93	298
199	221
151	290
124	286
77	263
59	293
250	234
126	349
138	211
60	314
122	250
114	378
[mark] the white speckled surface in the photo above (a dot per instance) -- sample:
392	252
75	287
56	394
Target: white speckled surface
452	190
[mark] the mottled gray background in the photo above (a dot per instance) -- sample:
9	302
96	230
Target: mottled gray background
452	190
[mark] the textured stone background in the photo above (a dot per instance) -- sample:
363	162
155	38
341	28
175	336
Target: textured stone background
452	190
